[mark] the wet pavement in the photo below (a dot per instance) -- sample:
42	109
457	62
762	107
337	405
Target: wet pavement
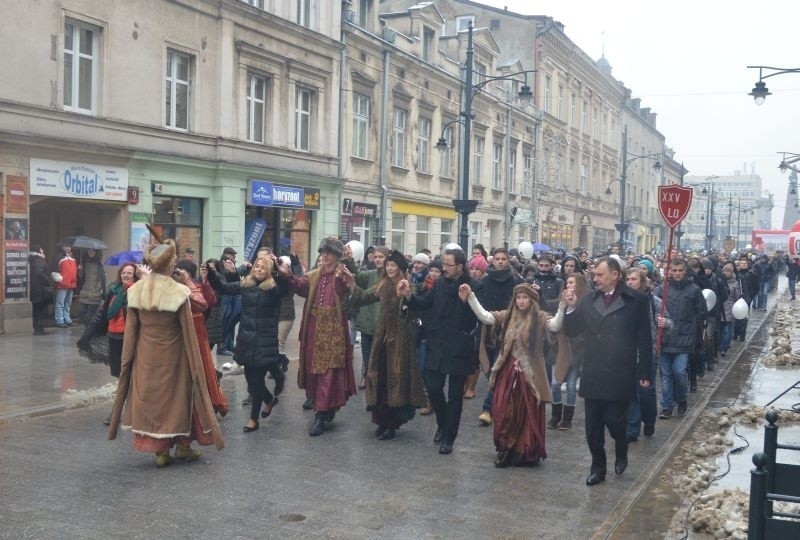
62	478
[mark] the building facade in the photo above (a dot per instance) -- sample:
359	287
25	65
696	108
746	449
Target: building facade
222	126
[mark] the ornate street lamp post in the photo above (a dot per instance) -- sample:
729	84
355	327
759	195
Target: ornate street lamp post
465	206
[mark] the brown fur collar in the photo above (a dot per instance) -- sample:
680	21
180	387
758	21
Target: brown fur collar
157	292
265	285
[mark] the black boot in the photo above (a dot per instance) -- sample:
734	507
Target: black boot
318	427
566	422
557	408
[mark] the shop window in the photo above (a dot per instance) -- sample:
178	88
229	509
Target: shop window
180	218
80	66
288	231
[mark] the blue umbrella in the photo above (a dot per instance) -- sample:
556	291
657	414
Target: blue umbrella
124	257
540	247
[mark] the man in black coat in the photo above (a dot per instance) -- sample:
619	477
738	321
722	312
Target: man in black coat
451	344
618	352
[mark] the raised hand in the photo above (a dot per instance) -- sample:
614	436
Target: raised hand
403	288
463	292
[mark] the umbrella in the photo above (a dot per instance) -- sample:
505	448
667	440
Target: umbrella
88	242
540	247
124	257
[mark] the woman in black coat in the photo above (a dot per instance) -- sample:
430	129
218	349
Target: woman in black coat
257	342
41	292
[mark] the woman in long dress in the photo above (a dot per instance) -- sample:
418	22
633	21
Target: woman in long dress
519	378
162	394
395	389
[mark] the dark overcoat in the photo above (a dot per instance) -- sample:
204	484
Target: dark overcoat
450	328
618	346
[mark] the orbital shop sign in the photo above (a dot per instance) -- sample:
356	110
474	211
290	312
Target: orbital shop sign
674	202
78	180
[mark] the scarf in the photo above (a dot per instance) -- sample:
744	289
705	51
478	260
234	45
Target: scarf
118	297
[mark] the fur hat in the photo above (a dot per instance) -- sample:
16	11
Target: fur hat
528	289
399	259
331	244
162	256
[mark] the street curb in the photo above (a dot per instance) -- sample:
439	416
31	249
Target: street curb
35	412
656	465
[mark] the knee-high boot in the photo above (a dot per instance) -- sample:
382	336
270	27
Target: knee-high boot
555	419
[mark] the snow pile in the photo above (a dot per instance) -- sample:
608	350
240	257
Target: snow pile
785	323
74	399
722	515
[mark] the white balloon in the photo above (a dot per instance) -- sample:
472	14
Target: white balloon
739	309
357	249
525	249
451	245
711	298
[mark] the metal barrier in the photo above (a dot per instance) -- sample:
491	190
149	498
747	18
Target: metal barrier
772	482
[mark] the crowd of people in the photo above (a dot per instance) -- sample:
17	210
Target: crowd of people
629	334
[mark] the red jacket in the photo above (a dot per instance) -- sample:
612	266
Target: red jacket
68	269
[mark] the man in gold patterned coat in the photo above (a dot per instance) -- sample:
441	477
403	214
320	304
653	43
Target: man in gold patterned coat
326	354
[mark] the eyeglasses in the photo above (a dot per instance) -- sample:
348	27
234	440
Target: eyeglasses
449	265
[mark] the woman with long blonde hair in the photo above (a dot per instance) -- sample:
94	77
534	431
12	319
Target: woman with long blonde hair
519	378
257	341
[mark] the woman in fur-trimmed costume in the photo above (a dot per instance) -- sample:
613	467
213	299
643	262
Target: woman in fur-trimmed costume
394	385
162	394
519	378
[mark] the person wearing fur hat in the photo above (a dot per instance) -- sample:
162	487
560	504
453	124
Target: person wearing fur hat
162	394
326	353
518	378
394	386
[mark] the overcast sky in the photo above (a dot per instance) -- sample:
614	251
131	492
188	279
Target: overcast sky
687	61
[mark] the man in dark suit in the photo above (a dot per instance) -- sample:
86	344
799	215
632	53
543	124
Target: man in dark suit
618	352
451	344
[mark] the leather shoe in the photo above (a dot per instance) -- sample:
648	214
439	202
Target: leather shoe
439	436
595	478
267	411
248	429
308	404
620	465
318	427
379	431
388	435
446	447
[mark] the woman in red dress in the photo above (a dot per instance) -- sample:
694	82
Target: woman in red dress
519	377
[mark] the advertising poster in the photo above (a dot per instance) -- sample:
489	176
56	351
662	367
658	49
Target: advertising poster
16	195
140	236
16	258
78	180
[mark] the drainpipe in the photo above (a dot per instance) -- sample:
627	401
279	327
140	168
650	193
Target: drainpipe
382	149
506	209
342	93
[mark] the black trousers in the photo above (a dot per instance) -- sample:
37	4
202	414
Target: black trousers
39	310
448	411
601	414
257	386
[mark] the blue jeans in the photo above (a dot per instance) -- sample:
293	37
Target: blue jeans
63	304
231	310
726	330
674	378
422	355
572	386
763	289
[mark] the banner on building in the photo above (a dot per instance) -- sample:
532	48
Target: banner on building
264	193
16	258
78	180
16	194
254	232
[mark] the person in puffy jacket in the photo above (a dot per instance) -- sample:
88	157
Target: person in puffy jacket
257	340
66	278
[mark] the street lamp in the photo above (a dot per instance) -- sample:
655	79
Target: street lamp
465	206
622	226
760	92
